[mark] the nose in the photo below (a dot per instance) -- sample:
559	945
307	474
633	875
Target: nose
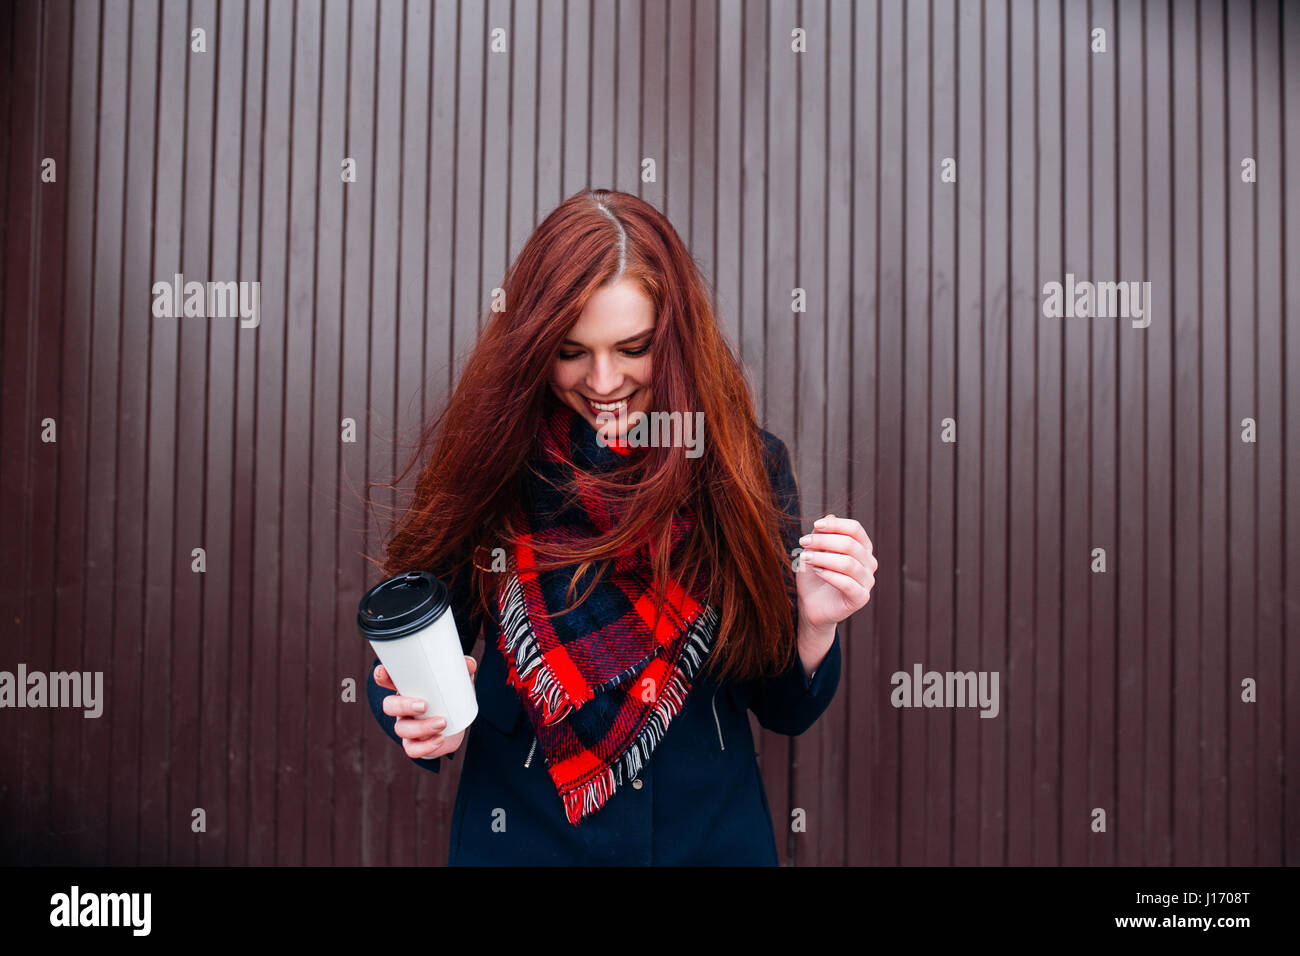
603	379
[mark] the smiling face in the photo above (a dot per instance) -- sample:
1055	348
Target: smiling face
603	364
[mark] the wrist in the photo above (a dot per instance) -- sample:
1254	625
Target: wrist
814	643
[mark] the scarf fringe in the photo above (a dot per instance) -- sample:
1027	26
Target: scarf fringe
546	693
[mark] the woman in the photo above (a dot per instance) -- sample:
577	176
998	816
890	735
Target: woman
639	588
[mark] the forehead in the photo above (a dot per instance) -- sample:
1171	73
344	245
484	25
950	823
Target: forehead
614	313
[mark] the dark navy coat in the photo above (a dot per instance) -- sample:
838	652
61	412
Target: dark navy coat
699	800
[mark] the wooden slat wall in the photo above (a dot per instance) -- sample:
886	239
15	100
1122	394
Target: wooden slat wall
821	171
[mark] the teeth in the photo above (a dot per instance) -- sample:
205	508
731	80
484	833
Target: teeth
608	406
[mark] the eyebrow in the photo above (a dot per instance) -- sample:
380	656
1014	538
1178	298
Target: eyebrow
639	335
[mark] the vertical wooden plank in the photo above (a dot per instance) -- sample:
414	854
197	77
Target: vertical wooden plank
250	682
1186	400
1016	681
525	107
752	295
805	395
652	127
268	753
187	633
1077	797
223	638
602	119
1290	670
919	428
441	361
1133	347
1217	429
1156	622
728	164
379	769
548	159
1242	397
381	320
1266	664
338	500
495	215
629	147
335	765
994	450
837	807
133	833
972	280
79	174
295	328
679	100
779	367
891	223
58	828
131	503
423	823
467	212
942	650
866	665
575	148
1049	364
703	169
1103	527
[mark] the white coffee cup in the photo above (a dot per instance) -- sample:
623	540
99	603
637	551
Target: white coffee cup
408	621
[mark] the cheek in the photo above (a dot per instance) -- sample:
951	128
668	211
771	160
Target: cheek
563	376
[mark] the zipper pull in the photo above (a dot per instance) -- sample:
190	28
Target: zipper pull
530	753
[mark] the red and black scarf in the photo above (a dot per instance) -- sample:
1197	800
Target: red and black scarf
600	684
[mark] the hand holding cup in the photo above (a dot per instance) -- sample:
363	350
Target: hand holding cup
421	736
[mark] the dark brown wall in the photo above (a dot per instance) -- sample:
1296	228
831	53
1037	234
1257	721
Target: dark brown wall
1119	690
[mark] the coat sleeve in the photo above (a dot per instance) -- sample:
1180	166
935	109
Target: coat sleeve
468	621
792	701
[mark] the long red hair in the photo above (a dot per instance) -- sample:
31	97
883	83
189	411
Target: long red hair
473	454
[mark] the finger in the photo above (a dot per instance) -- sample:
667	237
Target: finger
844	563
840	543
473	667
382	678
423	748
415	728
395	705
434	747
850	587
850	526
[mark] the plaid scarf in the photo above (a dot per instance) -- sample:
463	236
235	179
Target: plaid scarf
600	684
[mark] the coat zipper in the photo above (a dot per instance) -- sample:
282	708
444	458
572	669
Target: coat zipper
530	753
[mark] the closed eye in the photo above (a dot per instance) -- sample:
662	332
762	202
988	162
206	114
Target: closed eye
631	353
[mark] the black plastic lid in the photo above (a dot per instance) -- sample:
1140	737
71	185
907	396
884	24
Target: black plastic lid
402	605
